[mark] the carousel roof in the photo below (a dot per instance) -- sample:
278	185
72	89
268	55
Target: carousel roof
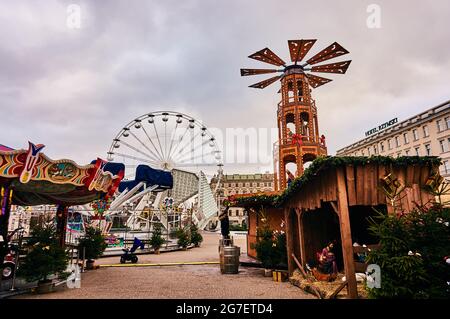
36	179
5	148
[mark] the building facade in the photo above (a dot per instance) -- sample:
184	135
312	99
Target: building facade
235	184
27	217
425	134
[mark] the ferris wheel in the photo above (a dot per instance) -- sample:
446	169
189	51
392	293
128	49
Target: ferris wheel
166	140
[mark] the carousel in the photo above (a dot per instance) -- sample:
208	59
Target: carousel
30	178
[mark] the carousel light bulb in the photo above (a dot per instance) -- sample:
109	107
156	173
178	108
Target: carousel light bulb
150	120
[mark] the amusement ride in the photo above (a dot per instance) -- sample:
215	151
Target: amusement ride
169	158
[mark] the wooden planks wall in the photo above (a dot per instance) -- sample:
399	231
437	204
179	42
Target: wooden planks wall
362	184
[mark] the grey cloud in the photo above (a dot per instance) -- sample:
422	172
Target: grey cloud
74	89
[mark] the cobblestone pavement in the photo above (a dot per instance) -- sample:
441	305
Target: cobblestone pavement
189	281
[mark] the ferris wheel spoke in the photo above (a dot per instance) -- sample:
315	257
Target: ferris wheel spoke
196	164
139	151
179	142
191	144
156	157
191	150
159	142
183	160
137	158
148	136
165	140
171	140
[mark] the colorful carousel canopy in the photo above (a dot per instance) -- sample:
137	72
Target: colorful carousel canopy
5	148
32	178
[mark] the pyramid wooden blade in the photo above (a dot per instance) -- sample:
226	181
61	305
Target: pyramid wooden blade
316	81
266	55
246	72
263	84
338	67
299	48
330	52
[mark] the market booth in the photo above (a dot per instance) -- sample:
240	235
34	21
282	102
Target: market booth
333	200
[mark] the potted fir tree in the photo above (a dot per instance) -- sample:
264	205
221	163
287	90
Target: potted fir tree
196	237
93	245
183	238
45	258
157	240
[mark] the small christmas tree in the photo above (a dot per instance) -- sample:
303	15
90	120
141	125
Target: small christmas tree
156	241
412	254
45	256
183	237
196	237
93	243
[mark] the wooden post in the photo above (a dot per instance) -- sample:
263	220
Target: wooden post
289	240
61	224
346	235
301	236
5	209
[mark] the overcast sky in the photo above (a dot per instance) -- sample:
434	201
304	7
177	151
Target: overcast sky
74	89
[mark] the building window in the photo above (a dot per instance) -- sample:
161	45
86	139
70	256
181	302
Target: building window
390	144
362	152
417	151
428	149
375	149
415	135
444	146
440	126
447	122
399	154
407	152
406	138
445	167
397	141
425	131
382	146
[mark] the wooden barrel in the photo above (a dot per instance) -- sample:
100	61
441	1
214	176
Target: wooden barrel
229	259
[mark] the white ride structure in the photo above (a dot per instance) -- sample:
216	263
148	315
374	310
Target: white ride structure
174	142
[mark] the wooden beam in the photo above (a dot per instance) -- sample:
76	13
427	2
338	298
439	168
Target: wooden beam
351	185
336	210
289	239
299	265
346	235
311	287
338	289
301	236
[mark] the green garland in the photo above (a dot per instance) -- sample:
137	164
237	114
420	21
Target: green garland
327	162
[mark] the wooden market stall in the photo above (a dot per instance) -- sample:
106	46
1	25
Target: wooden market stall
333	199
